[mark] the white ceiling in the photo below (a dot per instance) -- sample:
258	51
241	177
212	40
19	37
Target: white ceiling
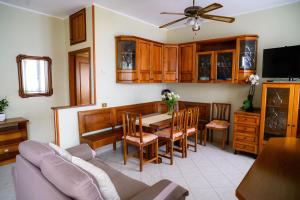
145	10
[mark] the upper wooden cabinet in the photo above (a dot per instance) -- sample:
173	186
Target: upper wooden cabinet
157	62
226	60
77	23
138	60
187	59
170	60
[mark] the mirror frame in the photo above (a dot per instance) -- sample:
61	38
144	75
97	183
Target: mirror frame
22	93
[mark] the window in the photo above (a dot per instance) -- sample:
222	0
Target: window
34	76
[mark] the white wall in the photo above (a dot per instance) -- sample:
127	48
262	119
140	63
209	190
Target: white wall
108	25
23	32
276	27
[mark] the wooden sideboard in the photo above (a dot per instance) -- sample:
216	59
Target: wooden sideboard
225	60
246	131
12	132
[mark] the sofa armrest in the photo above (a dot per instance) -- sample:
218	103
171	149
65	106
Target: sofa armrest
82	151
163	190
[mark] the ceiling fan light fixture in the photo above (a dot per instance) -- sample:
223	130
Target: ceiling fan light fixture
196	27
190	21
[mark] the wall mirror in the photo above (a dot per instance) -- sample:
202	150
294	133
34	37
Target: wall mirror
80	78
34	76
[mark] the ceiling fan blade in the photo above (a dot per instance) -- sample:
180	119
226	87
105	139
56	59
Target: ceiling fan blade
209	8
218	18
171	13
173	22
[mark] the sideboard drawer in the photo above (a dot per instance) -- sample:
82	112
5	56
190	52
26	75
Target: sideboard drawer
249	120
245	138
12	136
239	128
245	147
9	148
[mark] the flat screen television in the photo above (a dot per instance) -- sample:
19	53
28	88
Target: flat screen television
281	62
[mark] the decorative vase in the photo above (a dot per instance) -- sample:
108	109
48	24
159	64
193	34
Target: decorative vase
170	109
2	117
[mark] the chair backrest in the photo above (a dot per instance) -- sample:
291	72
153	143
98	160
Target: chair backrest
192	117
178	122
130	124
221	111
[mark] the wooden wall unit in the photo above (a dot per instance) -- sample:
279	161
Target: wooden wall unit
230	59
77	23
246	131
279	111
187	59
170	63
12	132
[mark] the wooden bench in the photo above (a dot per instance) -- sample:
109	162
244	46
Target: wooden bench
103	126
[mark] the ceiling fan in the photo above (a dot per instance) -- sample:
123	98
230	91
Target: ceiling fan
196	14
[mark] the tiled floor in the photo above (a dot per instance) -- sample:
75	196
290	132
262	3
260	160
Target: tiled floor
209	174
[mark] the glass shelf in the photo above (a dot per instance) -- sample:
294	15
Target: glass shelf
127	55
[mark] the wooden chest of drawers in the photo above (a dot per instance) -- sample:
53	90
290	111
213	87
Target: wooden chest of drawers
12	132
246	131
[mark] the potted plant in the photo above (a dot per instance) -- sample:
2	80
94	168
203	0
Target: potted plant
253	80
170	99
3	106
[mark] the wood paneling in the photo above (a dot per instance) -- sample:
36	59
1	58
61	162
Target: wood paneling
77	23
12	132
170	63
157	62
187	72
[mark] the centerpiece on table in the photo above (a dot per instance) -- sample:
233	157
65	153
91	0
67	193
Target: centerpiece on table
253	81
3	106
170	99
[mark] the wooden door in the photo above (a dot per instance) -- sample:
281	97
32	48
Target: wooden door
144	60
296	114
187	62
157	64
224	65
276	111
205	63
80	77
170	63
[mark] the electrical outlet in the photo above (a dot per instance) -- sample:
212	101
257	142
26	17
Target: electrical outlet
104	105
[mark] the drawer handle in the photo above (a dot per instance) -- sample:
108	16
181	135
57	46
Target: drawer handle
6	150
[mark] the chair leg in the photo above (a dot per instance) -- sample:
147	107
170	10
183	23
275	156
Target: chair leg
205	136
196	139
185	145
211	136
141	158
227	141
200	132
115	145
224	138
156	151
171	152
125	152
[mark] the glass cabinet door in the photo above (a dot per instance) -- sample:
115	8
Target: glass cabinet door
127	54
204	64
224	62
247	57
277	112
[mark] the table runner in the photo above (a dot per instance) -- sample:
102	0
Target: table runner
146	121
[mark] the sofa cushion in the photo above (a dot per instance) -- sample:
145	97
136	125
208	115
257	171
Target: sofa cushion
125	186
107	188
35	151
62	152
82	151
69	179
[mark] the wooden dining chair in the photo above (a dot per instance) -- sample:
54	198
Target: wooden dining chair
138	138
173	134
220	122
191	128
